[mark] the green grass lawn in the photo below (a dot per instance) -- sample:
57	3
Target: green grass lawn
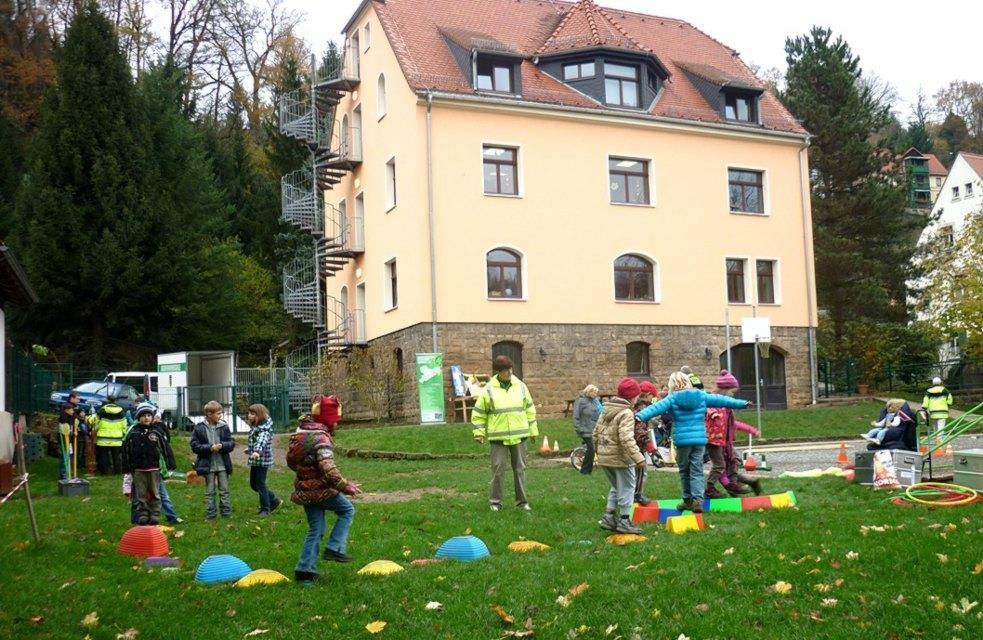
669	585
794	424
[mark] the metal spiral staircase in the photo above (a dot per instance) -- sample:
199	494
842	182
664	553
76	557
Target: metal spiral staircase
308	114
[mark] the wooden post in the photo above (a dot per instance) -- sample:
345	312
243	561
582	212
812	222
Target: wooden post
19	446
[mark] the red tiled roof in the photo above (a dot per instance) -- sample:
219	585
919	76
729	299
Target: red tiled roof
536	27
975	162
935	167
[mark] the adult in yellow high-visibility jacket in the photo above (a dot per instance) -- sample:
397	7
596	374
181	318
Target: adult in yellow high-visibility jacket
936	402
108	428
505	416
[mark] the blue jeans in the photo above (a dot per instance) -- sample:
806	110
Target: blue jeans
345	510
257	482
166	506
690	461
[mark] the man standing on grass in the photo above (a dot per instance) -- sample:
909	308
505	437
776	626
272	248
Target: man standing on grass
504	414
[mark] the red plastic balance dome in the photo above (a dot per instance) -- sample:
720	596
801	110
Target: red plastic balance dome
143	542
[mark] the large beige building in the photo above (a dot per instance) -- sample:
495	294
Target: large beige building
588	190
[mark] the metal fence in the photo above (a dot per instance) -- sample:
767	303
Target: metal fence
235	401
260	375
845	377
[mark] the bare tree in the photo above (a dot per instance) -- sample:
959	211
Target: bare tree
135	29
245	38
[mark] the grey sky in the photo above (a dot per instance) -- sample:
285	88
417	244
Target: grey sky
909	43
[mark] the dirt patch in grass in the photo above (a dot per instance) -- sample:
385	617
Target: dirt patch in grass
408	495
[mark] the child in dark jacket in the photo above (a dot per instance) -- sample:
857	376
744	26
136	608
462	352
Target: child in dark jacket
722	428
688	408
648	393
259	452
320	487
143	450
212	443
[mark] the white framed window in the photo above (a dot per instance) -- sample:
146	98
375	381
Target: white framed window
631	180
380	97
767	283
366	37
938	181
955	193
637	278
500	169
947	236
969	189
747	190
391	184
391	287
737	276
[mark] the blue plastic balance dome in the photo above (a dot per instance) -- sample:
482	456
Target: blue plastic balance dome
466	548
221	568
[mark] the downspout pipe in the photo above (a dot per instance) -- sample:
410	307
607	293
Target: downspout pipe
809	268
431	225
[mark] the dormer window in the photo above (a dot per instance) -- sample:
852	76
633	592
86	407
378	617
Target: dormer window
578	71
494	76
740	107
621	85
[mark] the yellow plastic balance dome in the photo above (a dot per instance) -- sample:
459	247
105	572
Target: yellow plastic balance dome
380	568
261	576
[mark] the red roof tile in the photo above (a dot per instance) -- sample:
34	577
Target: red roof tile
536	27
935	167
975	162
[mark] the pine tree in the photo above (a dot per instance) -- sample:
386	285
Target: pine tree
863	237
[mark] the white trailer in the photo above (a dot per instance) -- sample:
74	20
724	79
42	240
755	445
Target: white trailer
189	379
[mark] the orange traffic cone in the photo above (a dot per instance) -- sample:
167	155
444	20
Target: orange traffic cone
842	459
545	449
750	464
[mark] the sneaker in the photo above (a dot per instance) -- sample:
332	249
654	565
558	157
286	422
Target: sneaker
276	505
684	505
642	500
143	521
608	522
869	438
496	507
306	577
737	489
211	517
263	514
625	526
696	506
525	506
177	520
336	556
756	486
712	492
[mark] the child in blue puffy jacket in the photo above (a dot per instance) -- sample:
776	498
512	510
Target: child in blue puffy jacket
688	408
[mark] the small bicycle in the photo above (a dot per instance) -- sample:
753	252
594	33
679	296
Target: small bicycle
660	458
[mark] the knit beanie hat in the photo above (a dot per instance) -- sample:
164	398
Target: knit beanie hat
936	380
726	380
649	388
628	389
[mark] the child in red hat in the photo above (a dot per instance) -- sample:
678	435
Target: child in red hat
618	455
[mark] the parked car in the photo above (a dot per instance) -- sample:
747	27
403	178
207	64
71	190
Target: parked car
95	394
144	382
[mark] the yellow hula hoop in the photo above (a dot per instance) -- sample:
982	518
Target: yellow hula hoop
956	503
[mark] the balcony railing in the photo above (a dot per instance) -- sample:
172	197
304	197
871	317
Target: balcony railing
343	73
302	291
301	201
346	144
346	235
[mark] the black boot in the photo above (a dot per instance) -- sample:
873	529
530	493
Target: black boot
306	577
336	556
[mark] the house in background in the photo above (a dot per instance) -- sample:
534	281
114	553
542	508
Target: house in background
961	196
587	190
925	176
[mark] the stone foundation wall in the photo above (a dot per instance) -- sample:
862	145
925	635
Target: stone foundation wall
561	359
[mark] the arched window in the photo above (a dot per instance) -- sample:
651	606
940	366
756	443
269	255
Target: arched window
638	359
380	96
504	268
634	278
511	349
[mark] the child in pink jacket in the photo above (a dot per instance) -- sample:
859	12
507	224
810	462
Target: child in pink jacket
722	428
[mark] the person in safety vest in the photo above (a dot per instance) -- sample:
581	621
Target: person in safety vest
693	378
505	416
936	402
108	428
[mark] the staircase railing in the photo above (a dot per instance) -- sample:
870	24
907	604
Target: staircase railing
301	201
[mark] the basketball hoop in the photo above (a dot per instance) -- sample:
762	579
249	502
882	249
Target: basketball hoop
764	349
